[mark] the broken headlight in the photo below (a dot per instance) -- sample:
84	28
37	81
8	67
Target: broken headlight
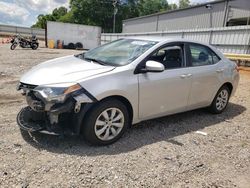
56	93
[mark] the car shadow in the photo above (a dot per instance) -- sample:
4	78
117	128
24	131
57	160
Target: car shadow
142	134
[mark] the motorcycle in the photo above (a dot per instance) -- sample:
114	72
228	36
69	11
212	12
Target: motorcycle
24	43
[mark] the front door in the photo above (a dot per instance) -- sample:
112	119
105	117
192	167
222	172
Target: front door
165	92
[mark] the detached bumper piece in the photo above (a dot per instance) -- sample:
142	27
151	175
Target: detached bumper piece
32	121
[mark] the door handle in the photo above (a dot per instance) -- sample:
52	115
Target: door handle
183	76
220	70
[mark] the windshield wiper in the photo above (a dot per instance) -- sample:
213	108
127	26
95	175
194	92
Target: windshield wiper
95	60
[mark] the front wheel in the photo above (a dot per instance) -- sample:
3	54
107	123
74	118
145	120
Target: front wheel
106	122
220	101
13	46
34	46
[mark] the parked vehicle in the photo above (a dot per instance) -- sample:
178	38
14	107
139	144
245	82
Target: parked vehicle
101	92
24	43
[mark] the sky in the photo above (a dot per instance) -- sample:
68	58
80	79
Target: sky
25	12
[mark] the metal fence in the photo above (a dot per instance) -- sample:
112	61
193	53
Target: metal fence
227	39
26	31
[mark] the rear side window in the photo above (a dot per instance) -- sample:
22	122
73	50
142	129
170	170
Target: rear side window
202	55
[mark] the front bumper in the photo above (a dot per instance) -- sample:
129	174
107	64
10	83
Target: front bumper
54	118
32	121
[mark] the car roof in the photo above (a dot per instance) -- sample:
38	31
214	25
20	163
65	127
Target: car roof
162	39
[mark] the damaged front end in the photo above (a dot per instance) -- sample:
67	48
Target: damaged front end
54	109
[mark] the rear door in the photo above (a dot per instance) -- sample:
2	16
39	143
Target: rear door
207	71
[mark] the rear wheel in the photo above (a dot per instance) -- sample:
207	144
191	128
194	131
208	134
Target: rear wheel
220	101
106	122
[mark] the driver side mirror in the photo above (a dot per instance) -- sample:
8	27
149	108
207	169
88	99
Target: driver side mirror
154	66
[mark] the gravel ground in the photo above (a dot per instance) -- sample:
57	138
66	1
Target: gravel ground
165	152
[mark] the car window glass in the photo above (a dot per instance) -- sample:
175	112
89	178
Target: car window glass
170	57
201	55
215	57
120	52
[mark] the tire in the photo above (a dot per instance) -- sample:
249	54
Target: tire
71	46
34	46
220	101
98	130
78	45
13	46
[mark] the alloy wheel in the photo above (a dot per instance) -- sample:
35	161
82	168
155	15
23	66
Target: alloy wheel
222	99
109	124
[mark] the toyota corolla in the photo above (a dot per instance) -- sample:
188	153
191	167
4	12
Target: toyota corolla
101	92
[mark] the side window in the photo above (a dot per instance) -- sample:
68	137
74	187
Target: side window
215	57
202	55
170	56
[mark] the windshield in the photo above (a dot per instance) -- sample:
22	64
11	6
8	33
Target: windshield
120	52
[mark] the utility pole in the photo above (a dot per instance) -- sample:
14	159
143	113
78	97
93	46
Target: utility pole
115	12
210	8
226	10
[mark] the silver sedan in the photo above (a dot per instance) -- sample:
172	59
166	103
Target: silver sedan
101	92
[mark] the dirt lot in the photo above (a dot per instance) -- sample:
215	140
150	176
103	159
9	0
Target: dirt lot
165	152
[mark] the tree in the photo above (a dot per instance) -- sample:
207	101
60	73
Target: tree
93	12
57	13
68	18
101	12
129	9
184	3
42	19
152	6
173	6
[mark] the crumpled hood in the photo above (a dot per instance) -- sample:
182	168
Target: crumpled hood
62	70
